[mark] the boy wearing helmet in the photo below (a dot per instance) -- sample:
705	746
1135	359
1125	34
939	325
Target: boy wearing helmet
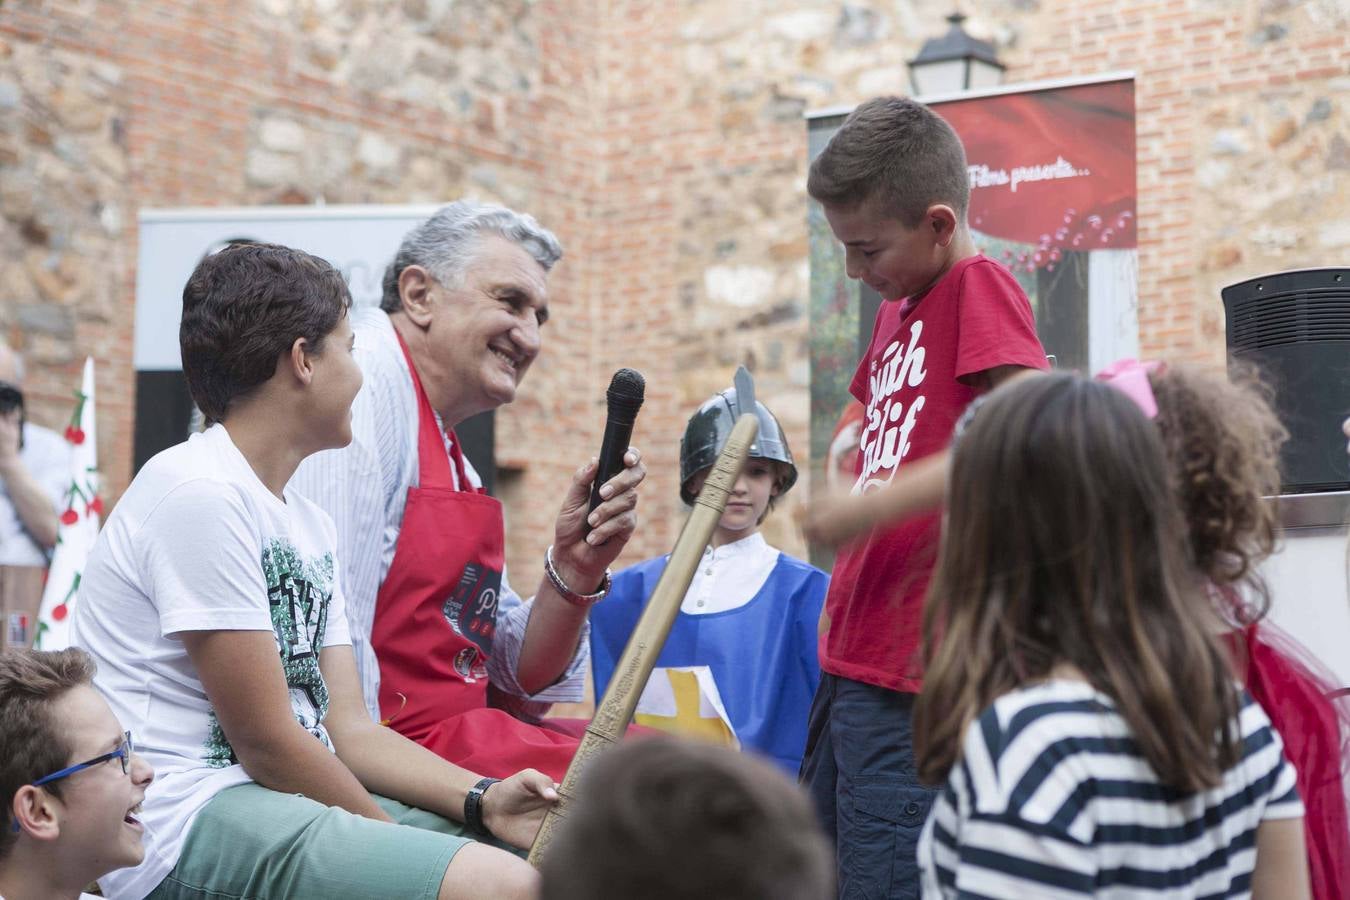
740	664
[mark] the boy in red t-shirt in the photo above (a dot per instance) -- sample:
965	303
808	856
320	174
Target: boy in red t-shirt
894	187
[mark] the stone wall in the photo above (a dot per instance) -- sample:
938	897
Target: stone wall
67	224
662	139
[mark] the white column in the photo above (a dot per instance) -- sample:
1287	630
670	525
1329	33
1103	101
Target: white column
1113	313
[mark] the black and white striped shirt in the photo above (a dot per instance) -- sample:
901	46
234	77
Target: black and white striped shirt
1053	798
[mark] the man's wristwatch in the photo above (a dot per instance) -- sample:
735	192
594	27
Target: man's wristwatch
571	596
473	805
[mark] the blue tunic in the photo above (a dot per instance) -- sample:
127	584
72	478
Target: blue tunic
762	655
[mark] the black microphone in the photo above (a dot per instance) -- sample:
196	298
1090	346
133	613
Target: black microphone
624	399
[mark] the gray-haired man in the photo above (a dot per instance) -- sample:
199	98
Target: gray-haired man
433	622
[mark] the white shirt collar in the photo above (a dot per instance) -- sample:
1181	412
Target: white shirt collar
730	576
746	546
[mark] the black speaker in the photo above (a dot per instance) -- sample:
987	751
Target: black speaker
1295	327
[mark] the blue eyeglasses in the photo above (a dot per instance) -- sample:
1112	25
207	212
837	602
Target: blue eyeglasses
122	753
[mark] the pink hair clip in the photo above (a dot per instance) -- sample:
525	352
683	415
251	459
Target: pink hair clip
1130	377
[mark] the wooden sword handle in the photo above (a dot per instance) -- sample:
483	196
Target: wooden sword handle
616	708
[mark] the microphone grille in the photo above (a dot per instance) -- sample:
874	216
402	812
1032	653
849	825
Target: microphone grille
626	389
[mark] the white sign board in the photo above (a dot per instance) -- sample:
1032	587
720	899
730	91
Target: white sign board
359	240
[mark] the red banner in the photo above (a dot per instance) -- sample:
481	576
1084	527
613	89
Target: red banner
1053	168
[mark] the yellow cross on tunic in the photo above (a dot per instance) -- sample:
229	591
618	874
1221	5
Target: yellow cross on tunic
689	719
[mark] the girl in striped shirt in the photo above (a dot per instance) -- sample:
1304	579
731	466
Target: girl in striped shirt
1077	709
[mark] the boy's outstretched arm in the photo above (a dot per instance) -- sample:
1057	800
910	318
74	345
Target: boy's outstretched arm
389	764
916	488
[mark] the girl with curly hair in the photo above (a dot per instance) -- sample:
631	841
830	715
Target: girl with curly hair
1223	443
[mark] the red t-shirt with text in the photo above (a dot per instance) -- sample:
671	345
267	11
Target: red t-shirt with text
912	382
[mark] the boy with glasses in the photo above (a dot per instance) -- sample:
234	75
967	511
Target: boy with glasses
68	775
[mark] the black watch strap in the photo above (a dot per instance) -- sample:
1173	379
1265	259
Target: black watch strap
473	805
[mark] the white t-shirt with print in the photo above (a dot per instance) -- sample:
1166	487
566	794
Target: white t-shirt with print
197	543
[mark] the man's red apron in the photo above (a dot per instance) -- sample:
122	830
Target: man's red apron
435	616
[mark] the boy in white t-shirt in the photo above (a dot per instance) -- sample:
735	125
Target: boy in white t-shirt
70	783
212	605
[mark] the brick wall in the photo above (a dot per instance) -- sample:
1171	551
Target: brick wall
662	140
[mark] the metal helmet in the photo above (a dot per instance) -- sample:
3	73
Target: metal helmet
708	430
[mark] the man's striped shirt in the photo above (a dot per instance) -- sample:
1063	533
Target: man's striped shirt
364	487
1053	798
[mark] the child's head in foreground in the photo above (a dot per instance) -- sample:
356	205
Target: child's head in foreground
1064	552
894	187
68	777
667	819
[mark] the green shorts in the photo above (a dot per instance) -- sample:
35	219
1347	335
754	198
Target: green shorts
254	844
